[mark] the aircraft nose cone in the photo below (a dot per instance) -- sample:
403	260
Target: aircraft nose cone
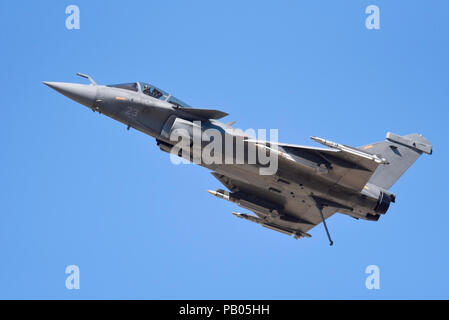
81	93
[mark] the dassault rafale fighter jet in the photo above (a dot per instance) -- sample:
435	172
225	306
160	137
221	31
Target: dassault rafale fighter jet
310	183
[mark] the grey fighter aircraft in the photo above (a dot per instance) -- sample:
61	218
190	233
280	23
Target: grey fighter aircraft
310	184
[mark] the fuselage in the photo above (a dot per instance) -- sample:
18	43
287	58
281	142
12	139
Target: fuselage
156	114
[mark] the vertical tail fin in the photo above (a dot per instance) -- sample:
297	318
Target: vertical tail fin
401	152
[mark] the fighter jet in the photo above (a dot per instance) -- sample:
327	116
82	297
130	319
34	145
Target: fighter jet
309	185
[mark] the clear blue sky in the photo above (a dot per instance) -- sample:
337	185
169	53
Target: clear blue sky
77	188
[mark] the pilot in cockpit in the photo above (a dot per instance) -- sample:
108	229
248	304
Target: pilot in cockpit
146	89
156	93
152	92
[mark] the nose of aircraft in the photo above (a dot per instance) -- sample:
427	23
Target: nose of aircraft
81	93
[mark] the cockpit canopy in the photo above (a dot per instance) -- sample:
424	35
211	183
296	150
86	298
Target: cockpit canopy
126	86
151	91
154	92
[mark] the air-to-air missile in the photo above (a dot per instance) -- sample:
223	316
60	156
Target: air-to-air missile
263	222
350	150
309	184
254	205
